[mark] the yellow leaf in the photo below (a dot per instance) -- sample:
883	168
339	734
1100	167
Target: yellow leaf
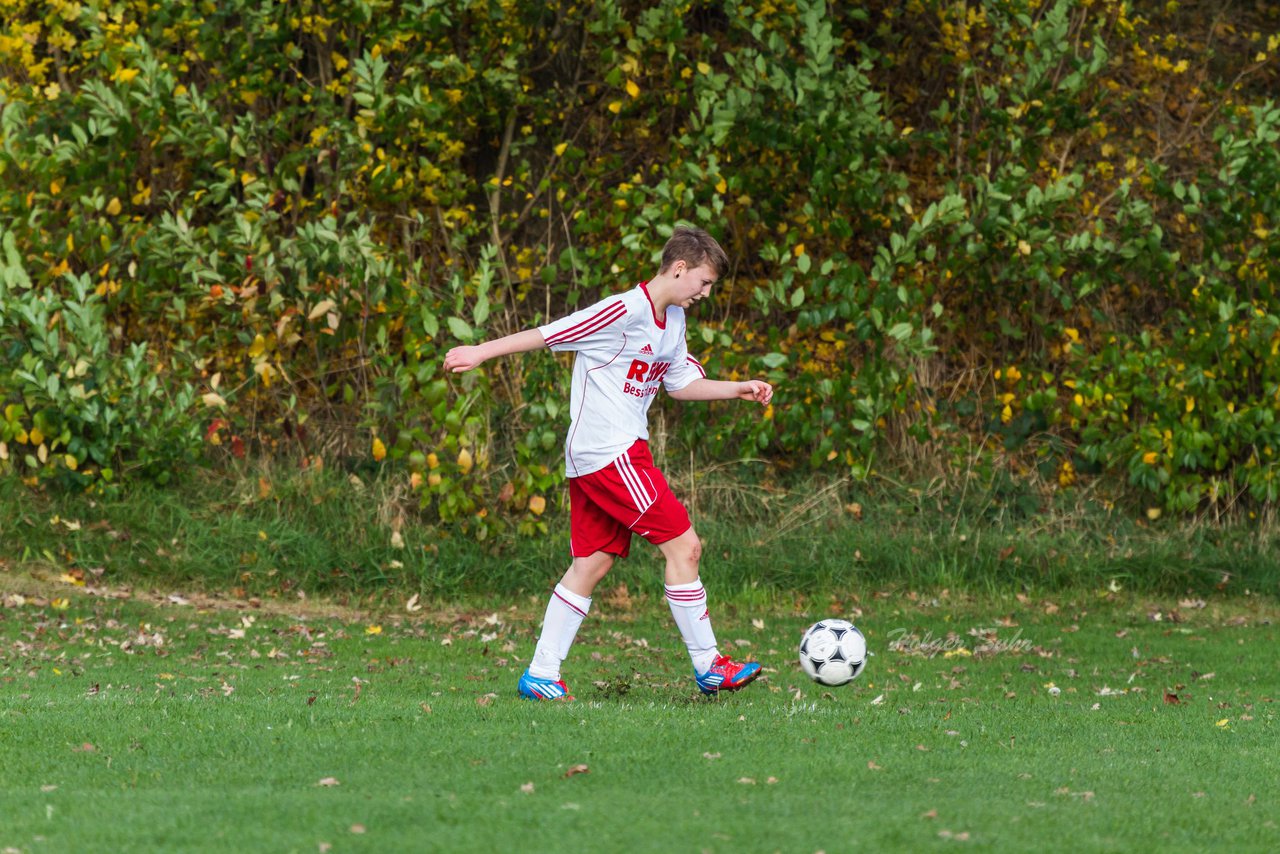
799	250
124	75
71	462
703	68
258	347
379	450
373	630
214	399
60	604
1153	513
1150	458
36	437
615	107
415	481
71	243
247	178
537	504
722	186
1191	404
632	89
433	461
113	207
465	461
55	186
68	578
323	307
560	149
1024	247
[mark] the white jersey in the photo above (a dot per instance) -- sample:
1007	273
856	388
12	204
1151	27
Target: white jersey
624	351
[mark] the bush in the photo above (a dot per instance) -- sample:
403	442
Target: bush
1035	229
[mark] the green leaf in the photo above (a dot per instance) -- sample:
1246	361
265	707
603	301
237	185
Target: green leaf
461	329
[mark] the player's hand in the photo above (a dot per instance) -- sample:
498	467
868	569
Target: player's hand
758	390
463	358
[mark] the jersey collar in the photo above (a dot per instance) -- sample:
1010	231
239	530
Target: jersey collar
653	309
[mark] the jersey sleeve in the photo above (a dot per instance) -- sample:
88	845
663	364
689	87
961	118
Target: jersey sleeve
684	369
597	325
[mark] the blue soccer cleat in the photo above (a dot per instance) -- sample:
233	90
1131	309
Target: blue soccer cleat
726	675
533	688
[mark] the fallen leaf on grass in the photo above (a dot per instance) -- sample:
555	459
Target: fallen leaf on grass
84	748
487	699
958	837
710	755
328	781
357	828
1172	699
871	764
527	788
412	605
747	781
929	814
577	769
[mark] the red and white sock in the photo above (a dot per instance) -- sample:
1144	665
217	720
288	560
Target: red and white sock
689	607
564	615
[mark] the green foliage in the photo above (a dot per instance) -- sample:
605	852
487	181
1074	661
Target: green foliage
1022	230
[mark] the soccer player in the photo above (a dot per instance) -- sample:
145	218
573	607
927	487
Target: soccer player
627	346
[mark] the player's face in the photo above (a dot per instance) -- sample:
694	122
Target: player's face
695	284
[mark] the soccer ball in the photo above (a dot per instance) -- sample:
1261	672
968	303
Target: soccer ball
833	652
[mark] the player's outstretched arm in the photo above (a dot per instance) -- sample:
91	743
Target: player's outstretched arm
470	356
704	389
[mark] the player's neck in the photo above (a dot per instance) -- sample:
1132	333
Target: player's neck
659	289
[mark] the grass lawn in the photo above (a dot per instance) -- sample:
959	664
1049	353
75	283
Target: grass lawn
1079	724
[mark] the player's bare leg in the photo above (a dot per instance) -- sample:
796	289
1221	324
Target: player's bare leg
683	555
586	572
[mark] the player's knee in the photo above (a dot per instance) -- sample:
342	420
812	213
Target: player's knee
693	546
596	566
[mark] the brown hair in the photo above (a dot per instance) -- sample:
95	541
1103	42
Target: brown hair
694	247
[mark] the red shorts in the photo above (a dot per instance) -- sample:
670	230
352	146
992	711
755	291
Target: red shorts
628	495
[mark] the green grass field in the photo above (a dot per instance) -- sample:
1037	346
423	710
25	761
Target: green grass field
159	724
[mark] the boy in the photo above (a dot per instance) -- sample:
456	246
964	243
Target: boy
626	346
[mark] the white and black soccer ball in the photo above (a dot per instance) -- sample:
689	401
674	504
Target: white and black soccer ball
833	652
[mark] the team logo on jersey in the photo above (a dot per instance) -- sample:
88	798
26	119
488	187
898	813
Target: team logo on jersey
646	350
644	372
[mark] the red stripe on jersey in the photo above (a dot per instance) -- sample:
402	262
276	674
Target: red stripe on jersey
698	365
595	323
